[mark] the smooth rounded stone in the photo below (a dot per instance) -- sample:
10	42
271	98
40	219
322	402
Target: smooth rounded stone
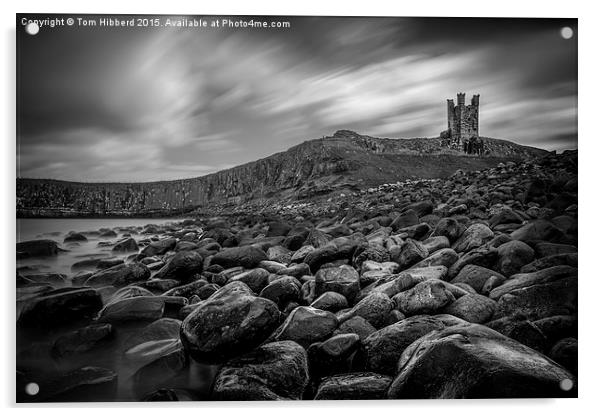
411	253
282	291
295	270
466	287
389	267
272	266
524	280
521	330
229	323
159	370
133	309
320	256
129	292
476	276
433	244
54	279
108	263
37	248
330	301
426	297
150	260
558	297
246	256
278	228
75	237
498	240
444	257
539	230
354	386
382	349
185	246
279	254
308	292
183	266
125	245
565	259
59	307
475	236
85	264
255	279
564	352
512	256
158	248
472	308
506	216
160	285
404	220
355	325
205	292
333	355
449	228
343	279
301	253
492	283
317	238
81	340
161	329
544	249
483	256
493	366
306	325
86	384
374	308
119	275
274	371
371	253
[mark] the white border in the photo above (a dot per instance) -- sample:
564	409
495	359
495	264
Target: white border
590	137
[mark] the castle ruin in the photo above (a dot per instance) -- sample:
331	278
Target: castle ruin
463	125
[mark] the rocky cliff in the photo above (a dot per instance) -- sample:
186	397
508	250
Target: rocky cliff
346	160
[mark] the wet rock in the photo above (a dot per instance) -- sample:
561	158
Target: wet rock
37	248
282	291
539	230
255	279
81	340
433	244
306	325
295	270
158	248
566	259
60	307
522	330
333	355
524	280
472	308
426	297
134	309
493	366
279	254
355	325
374	308
246	256
75	237
512	256
564	352
475	236
119	275
229	323
159	330
108	234
369	254
330	301
320	256
411	253
355	386
274	371
444	257
160	370
108	263
343	279
383	348
449	228
183	267
476	276
126	244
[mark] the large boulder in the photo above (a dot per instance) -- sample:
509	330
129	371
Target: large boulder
444	257
274	371
282	291
126	244
182	267
332	356
37	248
426	297
524	280
343	279
60	307
410	253
512	256
229	323
475	236
354	386
450	228
539	230
381	350
255	279
472	308
246	256
330	301
306	325
158	248
374	308
119	275
138	308
475	276
473	361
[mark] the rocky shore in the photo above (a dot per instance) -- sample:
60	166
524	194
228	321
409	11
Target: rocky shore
464	287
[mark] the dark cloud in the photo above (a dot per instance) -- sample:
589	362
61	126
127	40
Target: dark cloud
147	104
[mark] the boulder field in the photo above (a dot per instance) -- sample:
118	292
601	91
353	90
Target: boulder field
464	287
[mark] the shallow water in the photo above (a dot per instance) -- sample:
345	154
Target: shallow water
34	345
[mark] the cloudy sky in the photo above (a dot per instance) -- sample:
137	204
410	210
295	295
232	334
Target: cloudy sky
106	104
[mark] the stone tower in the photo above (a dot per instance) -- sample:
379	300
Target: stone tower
462	119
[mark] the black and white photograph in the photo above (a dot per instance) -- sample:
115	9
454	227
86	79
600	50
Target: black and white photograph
285	207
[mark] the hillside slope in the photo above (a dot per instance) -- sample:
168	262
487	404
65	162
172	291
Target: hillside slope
342	161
